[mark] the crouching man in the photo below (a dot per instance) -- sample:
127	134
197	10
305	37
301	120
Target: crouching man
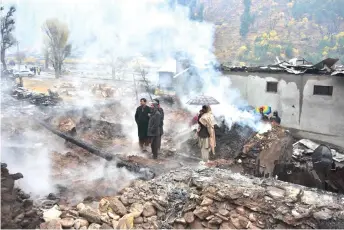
154	129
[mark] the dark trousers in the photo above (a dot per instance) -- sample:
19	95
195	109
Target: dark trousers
159	143
155	145
143	141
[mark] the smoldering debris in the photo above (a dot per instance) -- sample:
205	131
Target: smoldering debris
277	154
51	98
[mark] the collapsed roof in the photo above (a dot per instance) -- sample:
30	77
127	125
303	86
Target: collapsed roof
296	66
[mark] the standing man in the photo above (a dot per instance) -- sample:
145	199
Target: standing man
154	129
161	111
142	119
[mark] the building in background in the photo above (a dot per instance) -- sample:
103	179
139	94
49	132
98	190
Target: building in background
311	103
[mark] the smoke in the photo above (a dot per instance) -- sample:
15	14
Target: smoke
130	30
126	29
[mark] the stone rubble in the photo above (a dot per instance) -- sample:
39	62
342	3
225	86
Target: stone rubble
208	198
17	210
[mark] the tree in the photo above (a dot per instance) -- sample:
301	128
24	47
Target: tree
20	56
246	19
7	27
56	43
116	63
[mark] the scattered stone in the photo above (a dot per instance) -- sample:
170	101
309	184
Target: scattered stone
209	217
157	206
223	212
222	217
103	205
94	226
196	224
80	206
206	202
114	224
78	223
113	216
136	209
105	226
138	220
189	217
275	193
117	206
90	215
240	210
215	220
67	222
51	214
126	222
252	217
105	218
52	224
201	212
324	214
148	210
180	221
227	225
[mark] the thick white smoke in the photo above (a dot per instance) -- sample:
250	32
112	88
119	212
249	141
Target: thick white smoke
131	28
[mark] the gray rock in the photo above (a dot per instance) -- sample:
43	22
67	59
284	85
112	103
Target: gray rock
206	202
117	206
138	220
201	212
223	212
189	217
90	215
148	209
67	222
215	220
275	193
79	223
53	224
324	214
105	226
94	226
137	209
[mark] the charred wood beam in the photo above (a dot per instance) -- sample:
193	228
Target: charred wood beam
82	144
144	171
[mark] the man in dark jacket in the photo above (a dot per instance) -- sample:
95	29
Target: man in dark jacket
161	111
275	118
154	129
142	119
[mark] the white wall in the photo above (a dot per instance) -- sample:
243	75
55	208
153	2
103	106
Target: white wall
321	114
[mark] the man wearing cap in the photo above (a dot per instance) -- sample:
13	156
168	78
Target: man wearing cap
154	129
161	123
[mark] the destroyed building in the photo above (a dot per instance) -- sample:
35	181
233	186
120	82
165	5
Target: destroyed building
307	97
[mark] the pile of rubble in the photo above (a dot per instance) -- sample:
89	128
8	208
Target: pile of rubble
51	98
204	198
17	210
229	142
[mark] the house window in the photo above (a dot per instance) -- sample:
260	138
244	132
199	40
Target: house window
323	90
271	86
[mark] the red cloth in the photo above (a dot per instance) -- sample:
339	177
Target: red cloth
194	120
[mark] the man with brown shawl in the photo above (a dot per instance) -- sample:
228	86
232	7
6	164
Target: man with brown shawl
206	132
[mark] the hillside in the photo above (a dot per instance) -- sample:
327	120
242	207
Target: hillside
313	29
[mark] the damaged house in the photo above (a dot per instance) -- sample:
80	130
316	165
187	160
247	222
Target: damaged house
308	97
